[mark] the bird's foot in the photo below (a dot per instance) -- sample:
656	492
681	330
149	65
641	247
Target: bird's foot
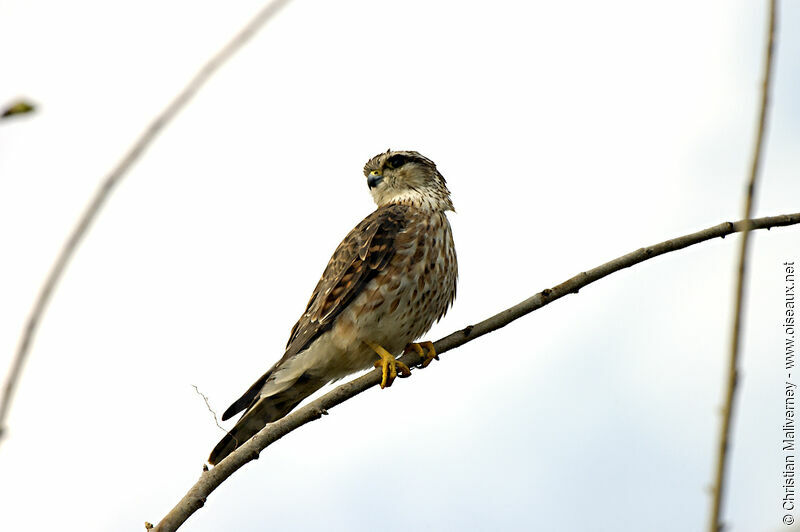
428	357
389	365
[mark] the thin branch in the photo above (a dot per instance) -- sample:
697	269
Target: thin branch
20	107
104	191
208	405
210	480
718	490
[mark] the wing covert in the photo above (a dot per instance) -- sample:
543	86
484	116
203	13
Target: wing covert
363	253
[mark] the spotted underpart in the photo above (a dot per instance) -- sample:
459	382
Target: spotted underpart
389	280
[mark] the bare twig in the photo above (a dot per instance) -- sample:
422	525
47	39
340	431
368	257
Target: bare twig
20	107
250	450
205	398
108	184
718	489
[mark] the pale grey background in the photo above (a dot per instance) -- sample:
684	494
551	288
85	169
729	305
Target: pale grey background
570	133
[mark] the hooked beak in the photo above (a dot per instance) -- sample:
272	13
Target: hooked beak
374	179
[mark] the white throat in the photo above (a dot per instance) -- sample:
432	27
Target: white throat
422	198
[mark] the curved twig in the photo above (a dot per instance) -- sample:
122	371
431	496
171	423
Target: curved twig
718	489
104	191
210	480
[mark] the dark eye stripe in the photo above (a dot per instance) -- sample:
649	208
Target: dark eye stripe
396	161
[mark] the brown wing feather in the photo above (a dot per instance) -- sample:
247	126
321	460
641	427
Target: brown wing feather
362	254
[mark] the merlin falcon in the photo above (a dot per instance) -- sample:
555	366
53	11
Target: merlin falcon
389	280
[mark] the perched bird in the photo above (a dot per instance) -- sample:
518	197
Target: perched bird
386	284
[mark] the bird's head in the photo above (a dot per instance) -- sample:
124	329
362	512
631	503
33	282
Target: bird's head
407	177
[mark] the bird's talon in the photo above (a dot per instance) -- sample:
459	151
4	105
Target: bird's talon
426	357
388	365
405	371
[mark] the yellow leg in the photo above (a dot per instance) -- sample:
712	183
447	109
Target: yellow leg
389	365
428	357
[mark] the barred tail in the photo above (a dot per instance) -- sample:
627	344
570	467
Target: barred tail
265	409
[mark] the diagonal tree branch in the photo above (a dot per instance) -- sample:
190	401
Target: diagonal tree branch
210	480
106	187
718	490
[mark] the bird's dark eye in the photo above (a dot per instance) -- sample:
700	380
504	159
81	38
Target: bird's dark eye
396	161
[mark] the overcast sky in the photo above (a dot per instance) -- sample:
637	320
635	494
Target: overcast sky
569	132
